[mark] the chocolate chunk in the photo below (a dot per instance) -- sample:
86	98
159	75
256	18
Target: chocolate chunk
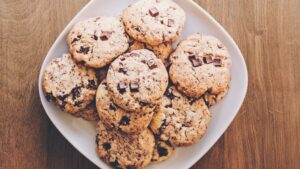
105	35
91	84
76	92
95	37
134	86
217	62
151	64
168	106
115	164
50	97
77	104
138	29
112	107
144	104
62	97
106	146
76	39
125	121
210	99
63	104
196	62
154	12
162	151
122	87
123	70
84	50
171	22
207	59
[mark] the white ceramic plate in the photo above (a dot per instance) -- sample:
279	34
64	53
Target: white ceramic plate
81	134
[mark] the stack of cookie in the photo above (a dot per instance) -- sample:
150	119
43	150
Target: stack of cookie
124	74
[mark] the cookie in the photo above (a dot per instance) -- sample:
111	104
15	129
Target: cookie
212	99
97	41
89	113
124	151
183	120
200	64
137	80
115	117
69	85
161	51
154	21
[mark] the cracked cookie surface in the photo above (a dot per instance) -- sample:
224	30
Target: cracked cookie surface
70	85
183	120
200	64
97	41
115	117
154	21
137	80
124	151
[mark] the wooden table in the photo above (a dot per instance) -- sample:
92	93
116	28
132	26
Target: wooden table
265	134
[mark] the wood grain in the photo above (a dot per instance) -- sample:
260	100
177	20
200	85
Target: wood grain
265	134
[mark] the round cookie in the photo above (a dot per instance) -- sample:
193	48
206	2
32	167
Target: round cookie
89	113
154	21
212	99
115	117
200	64
162	51
70	85
137	80
124	151
183	121
97	41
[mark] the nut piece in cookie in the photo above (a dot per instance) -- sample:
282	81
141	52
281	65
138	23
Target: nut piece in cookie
124	151
183	120
71	86
115	117
200	64
137	80
97	41
154	22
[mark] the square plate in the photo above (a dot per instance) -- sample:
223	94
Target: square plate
81	134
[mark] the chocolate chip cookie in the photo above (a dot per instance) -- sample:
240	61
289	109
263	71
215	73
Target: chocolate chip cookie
183	120
68	84
162	51
115	117
124	151
97	41
137	80
154	21
200	64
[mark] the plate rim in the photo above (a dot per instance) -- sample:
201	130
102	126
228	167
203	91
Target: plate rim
197	157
